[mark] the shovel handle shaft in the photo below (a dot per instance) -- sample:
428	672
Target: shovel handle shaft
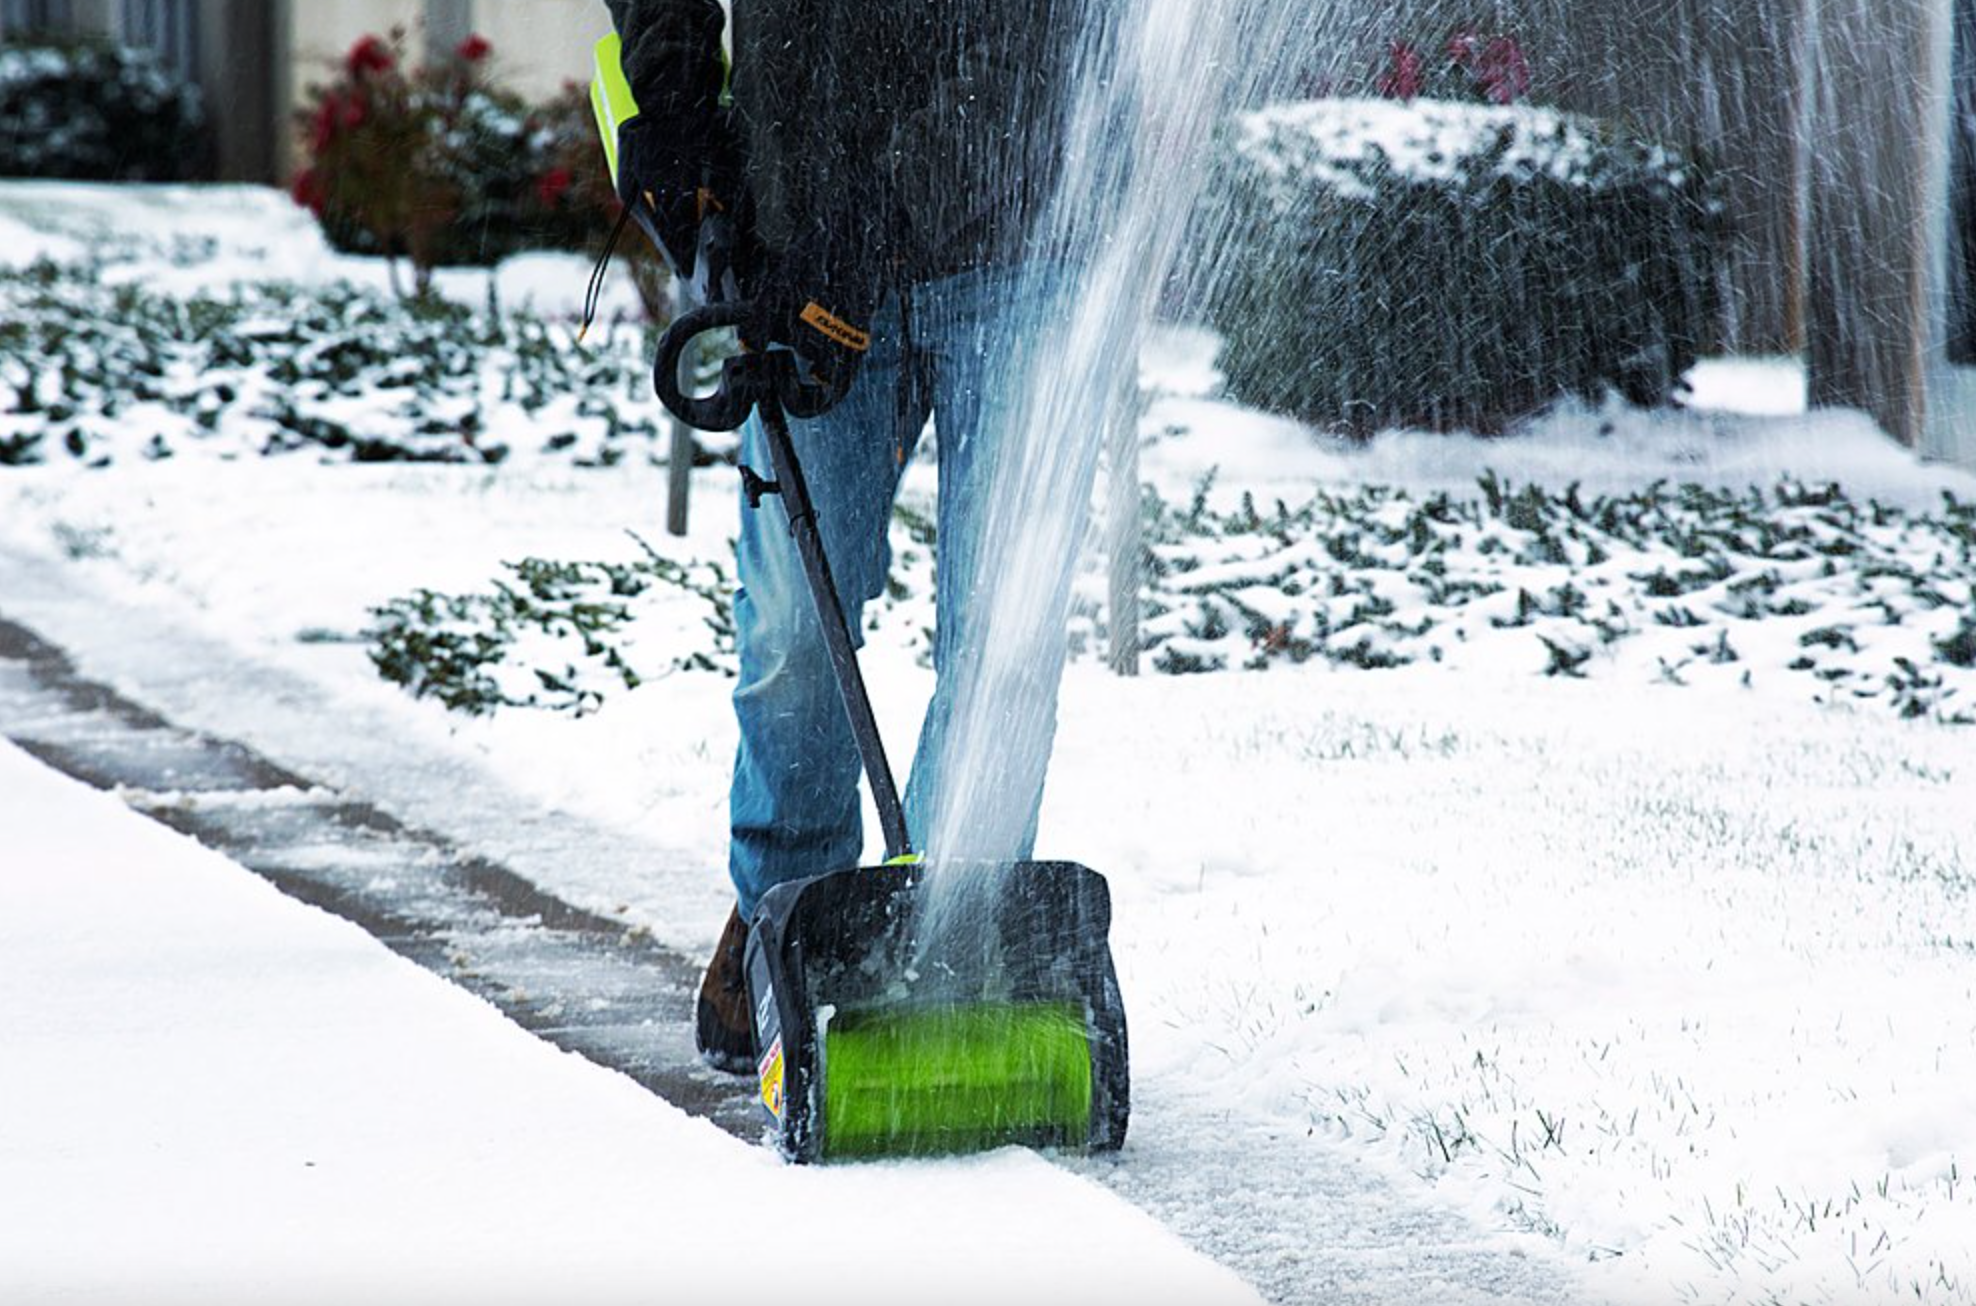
795	494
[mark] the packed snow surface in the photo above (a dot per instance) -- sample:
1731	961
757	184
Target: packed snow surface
214	1094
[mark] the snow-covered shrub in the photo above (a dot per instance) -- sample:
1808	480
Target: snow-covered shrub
438	164
1800	590
103	373
555	634
1849	600
1459	266
92	112
566	635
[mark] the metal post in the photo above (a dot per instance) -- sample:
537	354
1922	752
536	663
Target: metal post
679	462
447	23
1122	533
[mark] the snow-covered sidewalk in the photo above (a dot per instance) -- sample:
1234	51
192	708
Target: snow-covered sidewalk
211	1093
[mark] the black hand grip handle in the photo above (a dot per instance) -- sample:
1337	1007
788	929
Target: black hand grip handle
806	398
744	381
729	405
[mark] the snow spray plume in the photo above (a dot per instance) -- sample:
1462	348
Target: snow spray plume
1140	219
1154	83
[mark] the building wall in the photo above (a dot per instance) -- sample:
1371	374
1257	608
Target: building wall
1961	271
538	44
1952	377
321	32
18	17
541	44
1730	93
93	15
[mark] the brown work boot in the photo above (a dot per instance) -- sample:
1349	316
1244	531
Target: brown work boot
724	1029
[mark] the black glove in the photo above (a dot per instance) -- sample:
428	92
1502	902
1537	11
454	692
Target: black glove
671	175
825	319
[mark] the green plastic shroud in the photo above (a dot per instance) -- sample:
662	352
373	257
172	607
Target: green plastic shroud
925	1081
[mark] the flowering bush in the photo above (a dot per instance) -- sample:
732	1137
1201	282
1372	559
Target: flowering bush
1470	65
438	165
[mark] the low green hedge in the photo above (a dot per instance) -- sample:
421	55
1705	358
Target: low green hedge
101	373
1450	266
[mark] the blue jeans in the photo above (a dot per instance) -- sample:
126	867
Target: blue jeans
795	805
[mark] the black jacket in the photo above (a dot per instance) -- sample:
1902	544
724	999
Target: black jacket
892	138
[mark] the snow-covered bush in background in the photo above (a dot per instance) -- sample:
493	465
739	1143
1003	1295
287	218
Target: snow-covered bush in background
438	164
92	112
1450	266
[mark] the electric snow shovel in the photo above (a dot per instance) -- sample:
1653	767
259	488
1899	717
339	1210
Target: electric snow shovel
877	1035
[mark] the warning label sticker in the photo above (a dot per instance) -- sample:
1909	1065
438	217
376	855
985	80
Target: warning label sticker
771	1073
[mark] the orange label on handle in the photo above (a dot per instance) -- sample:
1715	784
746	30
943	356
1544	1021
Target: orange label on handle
826	323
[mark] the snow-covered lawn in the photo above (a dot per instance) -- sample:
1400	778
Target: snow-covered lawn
215	1094
1682	978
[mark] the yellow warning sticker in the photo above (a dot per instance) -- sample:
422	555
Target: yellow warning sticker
771	1072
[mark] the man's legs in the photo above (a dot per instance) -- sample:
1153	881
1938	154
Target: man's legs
794	804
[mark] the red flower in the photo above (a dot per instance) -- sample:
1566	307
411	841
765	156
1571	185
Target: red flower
1406	77
352	112
1464	45
323	127
551	185
473	49
307	190
1503	71
369	55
